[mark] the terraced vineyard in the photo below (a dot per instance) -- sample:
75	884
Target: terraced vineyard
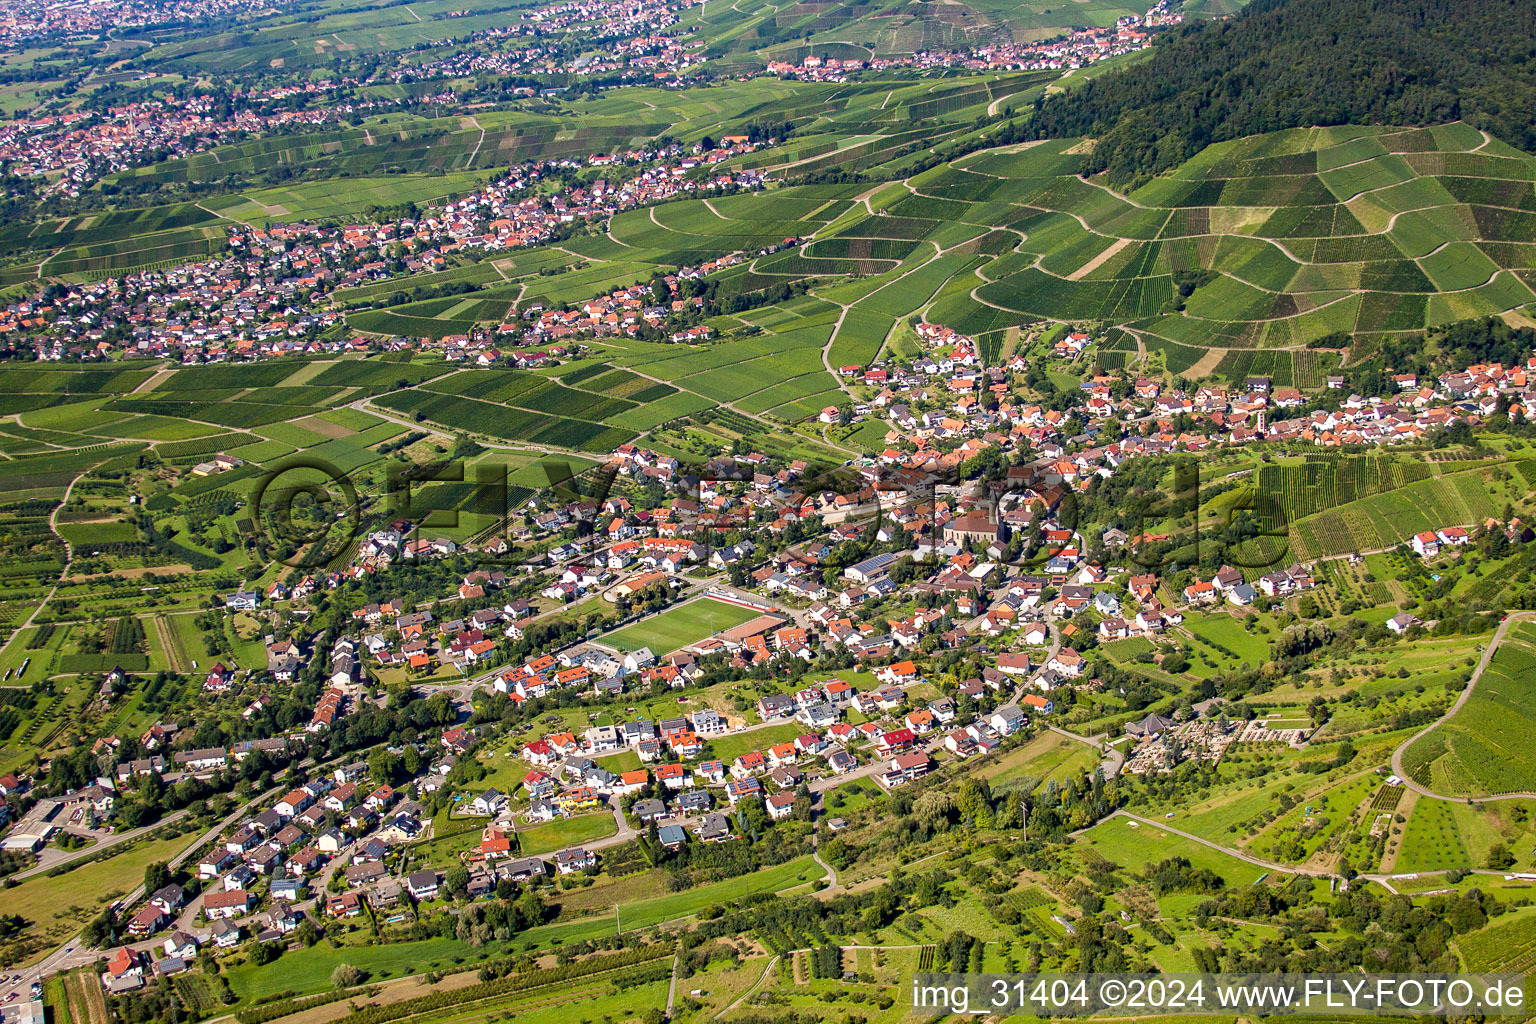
1390	511
1232	264
1485	747
1506	945
1325	481
1286	238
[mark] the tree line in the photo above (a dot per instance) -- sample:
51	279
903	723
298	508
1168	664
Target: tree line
1296	63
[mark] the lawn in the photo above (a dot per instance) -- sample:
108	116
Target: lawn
680	626
451	838
59	904
849	798
1134	845
184	631
728	748
623	761
557	835
1048	756
1229	632
646	913
41	658
309	970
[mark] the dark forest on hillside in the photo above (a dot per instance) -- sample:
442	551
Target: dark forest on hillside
1293	63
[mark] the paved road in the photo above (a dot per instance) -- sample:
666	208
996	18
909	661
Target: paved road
672	986
1466	693
833	886
52	857
1114	757
72	954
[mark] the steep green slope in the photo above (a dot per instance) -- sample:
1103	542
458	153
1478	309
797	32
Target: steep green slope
1265	255
1257	245
1293	63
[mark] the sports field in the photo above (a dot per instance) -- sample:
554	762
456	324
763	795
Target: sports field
680	626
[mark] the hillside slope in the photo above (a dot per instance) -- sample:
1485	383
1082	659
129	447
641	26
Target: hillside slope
1261	244
1236	262
1292	63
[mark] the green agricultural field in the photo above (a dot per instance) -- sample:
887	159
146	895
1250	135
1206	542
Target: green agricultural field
61	903
1399	511
1484	748
1432	840
1049	756
342	198
1507	944
1230	634
1279	261
508	422
680	626
1085	273
1134	845
310	970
